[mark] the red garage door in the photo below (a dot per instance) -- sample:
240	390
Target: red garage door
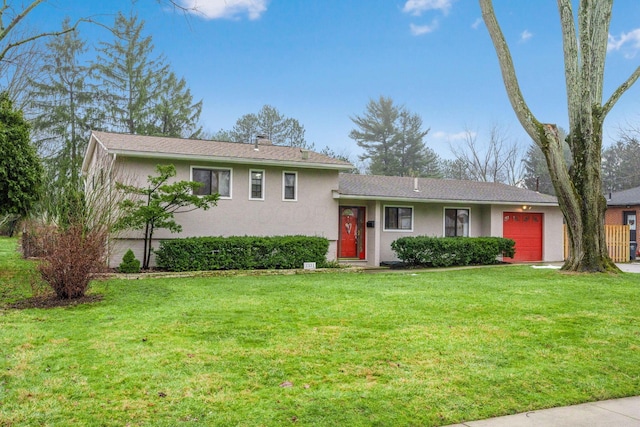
526	230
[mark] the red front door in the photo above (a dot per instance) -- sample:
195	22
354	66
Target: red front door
351	236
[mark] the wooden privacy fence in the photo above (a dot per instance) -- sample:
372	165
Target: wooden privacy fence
617	237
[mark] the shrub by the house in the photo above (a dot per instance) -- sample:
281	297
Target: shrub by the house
129	263
241	253
448	251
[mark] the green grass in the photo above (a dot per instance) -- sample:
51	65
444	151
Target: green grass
16	274
410	349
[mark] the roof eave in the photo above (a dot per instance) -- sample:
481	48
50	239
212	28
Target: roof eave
234	160
622	204
93	141
337	195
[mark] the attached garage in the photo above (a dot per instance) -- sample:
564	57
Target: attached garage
526	230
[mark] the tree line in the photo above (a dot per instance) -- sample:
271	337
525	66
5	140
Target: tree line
123	87
394	143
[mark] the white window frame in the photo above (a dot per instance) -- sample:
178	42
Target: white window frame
295	187
262	183
219	168
444	219
397	230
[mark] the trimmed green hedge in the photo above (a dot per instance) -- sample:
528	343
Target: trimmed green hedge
241	253
448	251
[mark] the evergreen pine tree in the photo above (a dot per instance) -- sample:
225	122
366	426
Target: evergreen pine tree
393	140
64	115
137	90
129	77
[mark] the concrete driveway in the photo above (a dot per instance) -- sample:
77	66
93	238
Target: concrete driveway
631	267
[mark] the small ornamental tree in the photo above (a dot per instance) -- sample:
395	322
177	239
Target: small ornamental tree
155	205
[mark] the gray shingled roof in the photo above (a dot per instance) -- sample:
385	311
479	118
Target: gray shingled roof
156	146
625	197
430	189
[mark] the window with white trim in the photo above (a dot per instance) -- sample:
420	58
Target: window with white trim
398	218
456	222
214	180
290	186
256	184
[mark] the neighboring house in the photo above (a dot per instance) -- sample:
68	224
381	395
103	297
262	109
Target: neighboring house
273	190
622	209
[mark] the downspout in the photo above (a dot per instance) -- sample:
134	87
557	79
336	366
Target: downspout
113	160
377	233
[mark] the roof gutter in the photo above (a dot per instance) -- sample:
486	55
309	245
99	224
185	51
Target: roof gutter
337	195
235	160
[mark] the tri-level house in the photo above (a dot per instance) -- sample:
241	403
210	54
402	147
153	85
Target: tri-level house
268	190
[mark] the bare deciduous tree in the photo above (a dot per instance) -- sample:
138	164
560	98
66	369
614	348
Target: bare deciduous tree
11	17
18	68
496	161
579	188
620	162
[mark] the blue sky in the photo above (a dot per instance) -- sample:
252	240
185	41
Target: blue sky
320	61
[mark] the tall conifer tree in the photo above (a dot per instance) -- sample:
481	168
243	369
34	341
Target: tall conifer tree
137	90
64	116
128	76
393	140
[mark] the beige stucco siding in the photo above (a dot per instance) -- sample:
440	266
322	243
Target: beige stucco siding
100	164
428	220
313	213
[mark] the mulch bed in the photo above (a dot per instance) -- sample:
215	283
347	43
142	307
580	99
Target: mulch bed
52	301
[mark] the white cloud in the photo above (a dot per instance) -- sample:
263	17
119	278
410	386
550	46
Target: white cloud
417	7
476	24
630	41
525	35
451	137
418	30
232	9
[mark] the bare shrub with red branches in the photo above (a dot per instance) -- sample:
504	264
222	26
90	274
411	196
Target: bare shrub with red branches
71	257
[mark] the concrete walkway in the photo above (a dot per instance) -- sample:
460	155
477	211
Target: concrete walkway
608	413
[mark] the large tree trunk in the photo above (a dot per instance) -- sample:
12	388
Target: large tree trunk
582	203
579	189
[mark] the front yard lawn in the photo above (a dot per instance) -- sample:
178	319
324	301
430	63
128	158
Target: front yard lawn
415	348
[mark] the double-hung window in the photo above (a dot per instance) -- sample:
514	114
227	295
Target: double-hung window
290	186
256	184
398	218
456	222
213	181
